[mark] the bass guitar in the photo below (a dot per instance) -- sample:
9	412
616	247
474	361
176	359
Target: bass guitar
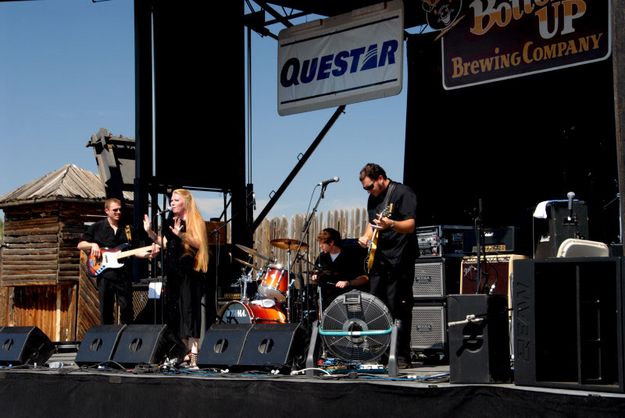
109	258
373	244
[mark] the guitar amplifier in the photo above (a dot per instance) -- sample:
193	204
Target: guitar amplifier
498	240
436	277
497	277
444	240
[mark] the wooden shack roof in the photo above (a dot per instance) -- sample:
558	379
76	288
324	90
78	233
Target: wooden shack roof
69	183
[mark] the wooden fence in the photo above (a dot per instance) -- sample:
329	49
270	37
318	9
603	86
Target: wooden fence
349	222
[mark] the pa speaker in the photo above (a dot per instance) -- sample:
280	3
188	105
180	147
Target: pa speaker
99	344
569	324
479	350
24	345
223	344
147	344
273	345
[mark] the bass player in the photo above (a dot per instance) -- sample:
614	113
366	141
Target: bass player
115	282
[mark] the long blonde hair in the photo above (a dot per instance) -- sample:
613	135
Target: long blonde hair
196	228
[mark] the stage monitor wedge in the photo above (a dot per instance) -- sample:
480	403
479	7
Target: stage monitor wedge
273	345
24	345
147	344
99	344
223	344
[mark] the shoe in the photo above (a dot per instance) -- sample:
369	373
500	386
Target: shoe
403	363
193	361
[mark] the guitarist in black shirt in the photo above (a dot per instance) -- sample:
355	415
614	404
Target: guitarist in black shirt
113	283
392	211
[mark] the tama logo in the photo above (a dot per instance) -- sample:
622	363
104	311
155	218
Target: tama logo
295	72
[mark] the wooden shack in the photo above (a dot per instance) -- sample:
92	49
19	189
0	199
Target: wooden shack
40	269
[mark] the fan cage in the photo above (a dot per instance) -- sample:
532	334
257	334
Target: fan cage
356	326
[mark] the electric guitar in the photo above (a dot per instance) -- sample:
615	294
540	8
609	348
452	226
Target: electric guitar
108	258
373	244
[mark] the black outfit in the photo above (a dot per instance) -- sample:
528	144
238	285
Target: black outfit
184	288
112	282
392	273
348	265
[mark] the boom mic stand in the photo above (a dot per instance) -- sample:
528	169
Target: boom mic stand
477	224
216	233
304	235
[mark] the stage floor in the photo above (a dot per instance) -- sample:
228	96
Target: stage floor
62	389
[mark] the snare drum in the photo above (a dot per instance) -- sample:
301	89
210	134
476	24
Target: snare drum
275	283
243	313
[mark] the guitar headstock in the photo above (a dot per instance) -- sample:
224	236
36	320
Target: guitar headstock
388	211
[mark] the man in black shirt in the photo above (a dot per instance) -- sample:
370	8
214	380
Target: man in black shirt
339	269
113	281
392	211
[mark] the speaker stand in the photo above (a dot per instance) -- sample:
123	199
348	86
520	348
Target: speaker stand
313	348
392	354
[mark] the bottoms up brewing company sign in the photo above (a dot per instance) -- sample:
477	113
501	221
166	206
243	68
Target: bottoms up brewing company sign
490	40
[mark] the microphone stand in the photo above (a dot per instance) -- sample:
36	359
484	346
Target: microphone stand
312	213
477	221
304	235
216	233
163	277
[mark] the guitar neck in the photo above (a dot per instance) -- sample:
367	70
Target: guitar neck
129	253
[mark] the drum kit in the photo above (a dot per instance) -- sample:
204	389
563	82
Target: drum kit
277	299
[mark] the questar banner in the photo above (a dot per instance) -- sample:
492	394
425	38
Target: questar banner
344	59
491	40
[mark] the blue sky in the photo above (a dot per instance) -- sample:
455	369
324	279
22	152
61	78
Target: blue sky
67	69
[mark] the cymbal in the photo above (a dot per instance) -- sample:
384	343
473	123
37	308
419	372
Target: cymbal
245	263
252	252
288	244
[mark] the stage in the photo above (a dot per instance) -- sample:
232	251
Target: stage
63	389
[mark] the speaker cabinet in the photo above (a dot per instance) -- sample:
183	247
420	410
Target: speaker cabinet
147	344
253	346
429	331
568	323
24	345
435	277
223	344
272	345
559	225
497	275
478	349
99	344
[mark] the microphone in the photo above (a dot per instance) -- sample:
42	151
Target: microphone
328	181
570	196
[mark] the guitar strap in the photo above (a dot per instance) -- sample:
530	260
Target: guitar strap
389	192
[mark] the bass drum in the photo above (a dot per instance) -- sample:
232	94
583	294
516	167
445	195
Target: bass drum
251	313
